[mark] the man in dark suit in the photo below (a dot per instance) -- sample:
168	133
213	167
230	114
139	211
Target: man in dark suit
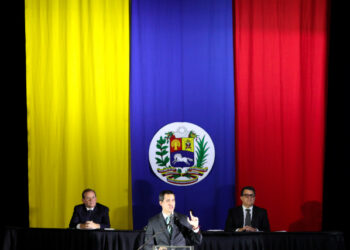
90	215
247	218
169	228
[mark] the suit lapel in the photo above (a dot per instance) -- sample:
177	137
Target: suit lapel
163	226
87	214
254	217
240	217
177	225
95	211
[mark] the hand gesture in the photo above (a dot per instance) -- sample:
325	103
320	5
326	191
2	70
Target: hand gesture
90	225
247	229
194	221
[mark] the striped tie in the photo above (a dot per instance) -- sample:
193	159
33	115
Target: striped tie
168	224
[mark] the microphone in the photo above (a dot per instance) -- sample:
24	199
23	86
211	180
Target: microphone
172	219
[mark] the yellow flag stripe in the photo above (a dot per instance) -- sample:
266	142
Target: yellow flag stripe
77	57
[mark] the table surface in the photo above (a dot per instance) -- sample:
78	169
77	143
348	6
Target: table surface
65	239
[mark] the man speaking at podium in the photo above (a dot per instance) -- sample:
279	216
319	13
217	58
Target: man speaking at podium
169	228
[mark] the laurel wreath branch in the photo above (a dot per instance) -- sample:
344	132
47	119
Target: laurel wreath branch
161	160
201	152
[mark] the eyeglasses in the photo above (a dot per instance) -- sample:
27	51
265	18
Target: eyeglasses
249	195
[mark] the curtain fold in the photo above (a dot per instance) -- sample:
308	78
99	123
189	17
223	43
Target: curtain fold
182	71
77	57
280	103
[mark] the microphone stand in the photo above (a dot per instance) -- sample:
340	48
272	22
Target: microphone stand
153	236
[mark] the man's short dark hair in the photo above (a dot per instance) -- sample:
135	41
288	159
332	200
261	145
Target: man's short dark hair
87	190
163	193
247	188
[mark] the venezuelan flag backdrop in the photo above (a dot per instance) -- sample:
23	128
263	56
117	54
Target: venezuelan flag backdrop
94	105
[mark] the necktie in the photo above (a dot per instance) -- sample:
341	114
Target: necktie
168	224
89	212
248	220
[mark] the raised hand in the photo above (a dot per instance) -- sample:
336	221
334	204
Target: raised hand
194	221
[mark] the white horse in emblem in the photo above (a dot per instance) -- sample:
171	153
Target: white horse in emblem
179	158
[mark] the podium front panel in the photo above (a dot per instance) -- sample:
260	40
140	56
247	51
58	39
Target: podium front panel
172	247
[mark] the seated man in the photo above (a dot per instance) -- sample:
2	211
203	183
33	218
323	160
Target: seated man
247	218
169	228
90	215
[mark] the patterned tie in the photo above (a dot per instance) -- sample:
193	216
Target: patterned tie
248	220
168	224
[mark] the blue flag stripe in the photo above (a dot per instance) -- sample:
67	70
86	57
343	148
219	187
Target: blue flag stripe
182	71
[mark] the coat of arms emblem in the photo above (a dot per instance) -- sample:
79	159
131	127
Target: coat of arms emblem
181	153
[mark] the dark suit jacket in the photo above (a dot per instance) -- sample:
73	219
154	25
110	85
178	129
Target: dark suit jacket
182	233
235	219
98	215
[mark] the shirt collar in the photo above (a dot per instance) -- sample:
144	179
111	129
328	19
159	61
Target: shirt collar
250	208
165	216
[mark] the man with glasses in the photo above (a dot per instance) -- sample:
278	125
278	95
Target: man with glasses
247	218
